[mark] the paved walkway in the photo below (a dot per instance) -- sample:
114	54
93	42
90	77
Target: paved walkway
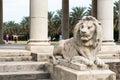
12	46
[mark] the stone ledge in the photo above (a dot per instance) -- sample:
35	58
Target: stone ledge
40	56
65	73
25	75
111	60
81	67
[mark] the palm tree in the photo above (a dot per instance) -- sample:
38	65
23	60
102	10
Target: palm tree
94	8
11	28
116	20
89	11
65	19
1	22
54	24
75	15
50	23
116	13
25	27
57	24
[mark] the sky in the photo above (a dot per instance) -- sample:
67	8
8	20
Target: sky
15	10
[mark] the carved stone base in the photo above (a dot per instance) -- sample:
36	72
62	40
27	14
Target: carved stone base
109	51
65	73
40	51
110	46
81	67
40	47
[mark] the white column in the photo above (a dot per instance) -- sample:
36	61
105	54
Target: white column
38	26
38	21
105	16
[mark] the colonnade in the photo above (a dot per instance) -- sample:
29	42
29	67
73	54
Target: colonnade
102	9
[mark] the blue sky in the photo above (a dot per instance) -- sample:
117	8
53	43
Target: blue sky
15	10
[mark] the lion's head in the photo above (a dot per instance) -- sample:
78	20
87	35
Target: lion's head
88	31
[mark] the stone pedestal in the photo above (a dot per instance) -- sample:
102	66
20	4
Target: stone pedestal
110	47
65	73
40	52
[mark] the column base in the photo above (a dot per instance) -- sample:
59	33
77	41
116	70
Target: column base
110	46
110	51
40	47
40	50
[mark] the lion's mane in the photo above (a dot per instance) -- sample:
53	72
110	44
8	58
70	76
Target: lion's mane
96	37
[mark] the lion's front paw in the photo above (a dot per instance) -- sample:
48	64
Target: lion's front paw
99	63
89	63
82	60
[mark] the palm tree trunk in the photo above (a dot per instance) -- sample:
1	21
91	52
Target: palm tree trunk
119	22
1	22
94	8
65	19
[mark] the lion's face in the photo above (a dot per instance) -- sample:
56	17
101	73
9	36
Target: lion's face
87	30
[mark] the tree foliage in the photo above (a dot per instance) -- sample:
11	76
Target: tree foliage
21	29
54	22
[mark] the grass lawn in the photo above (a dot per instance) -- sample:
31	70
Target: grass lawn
54	42
18	42
25	42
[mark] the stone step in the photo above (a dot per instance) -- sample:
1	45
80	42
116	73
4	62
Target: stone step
16	58
21	66
109	55
8	53
25	75
40	56
43	79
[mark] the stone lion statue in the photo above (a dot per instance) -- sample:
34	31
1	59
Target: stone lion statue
84	45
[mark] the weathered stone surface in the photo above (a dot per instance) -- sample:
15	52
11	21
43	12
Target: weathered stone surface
81	67
41	53
41	48
14	55
65	73
26	75
40	56
15	58
21	66
115	66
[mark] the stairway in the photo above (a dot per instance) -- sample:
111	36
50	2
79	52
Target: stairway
14	55
19	65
